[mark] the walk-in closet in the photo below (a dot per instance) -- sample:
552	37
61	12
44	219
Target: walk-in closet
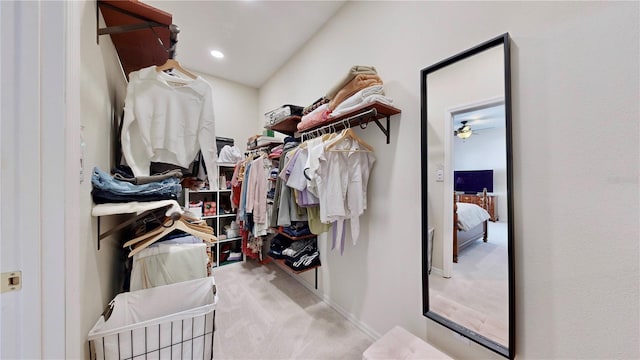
191	200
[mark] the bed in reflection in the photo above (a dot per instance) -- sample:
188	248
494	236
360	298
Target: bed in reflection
469	223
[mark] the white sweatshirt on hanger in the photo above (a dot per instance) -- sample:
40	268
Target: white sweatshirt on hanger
168	119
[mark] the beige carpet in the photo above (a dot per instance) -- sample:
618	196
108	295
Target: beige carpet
263	313
477	295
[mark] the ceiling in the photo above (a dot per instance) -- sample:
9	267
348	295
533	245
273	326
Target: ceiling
257	37
481	119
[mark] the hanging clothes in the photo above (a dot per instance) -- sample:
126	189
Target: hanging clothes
338	172
168	119
288	209
251	184
275	208
347	167
257	194
305	197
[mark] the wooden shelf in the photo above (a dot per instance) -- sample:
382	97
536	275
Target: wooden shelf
135	29
230	215
229	239
281	262
360	116
226	165
287	126
264	146
382	110
293	238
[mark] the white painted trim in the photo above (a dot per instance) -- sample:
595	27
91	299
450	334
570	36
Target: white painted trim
477	105
52	60
374	335
22	312
447	233
74	338
437	271
1	217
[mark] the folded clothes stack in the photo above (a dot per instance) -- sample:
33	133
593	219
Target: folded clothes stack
361	85
315	118
298	229
359	82
276	152
107	189
276	116
367	95
351	73
262	140
278	244
323	100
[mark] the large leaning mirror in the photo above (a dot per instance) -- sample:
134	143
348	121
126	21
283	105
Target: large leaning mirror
467	202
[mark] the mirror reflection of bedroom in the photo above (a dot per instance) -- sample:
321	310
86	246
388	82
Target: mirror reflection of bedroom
472	289
476	294
479	179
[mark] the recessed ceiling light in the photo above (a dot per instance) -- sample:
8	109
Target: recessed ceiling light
217	54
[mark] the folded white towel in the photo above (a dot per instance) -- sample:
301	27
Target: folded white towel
357	101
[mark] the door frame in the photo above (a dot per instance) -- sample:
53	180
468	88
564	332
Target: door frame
36	229
447	248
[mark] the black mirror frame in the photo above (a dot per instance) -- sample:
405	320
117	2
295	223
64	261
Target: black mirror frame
508	352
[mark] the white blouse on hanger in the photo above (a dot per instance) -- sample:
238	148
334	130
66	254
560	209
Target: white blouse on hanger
345	175
168	119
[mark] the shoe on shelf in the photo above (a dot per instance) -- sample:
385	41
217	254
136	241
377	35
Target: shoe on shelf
304	261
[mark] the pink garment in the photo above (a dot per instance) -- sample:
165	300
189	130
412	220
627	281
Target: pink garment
315	118
276	152
236	184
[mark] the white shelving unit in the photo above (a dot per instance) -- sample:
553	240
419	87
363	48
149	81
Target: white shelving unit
222	248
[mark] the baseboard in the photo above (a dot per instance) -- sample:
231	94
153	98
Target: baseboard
374	335
437	271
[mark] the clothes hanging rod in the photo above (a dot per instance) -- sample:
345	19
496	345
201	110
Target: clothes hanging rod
344	123
146	23
118	29
173	40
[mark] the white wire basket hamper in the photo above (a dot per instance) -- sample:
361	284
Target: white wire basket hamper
175	321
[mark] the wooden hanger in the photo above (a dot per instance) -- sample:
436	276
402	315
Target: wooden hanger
329	136
203	232
348	134
175	65
325	137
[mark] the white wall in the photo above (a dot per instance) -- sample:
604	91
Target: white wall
99	272
235	109
575	87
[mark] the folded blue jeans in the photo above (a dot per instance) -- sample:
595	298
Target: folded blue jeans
106	197
103	181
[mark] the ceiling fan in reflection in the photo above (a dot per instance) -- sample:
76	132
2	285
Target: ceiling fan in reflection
464	131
